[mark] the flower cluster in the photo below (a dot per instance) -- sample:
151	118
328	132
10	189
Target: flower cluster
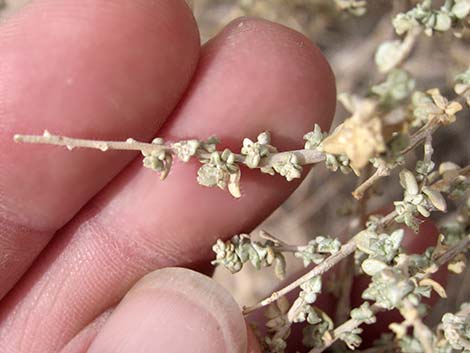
456	328
313	140
220	170
354	7
431	105
278	326
417	200
289	167
255	151
362	314
314	335
301	310
397	87
317	250
240	249
159	160
451	14
378	250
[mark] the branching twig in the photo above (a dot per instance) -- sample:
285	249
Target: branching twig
384	170
331	261
346	327
423	334
419	136
71	143
346	250
450	253
406	47
346	276
428	152
304	157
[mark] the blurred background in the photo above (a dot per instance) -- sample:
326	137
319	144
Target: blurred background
349	43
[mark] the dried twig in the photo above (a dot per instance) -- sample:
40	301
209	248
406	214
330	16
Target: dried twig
384	170
331	261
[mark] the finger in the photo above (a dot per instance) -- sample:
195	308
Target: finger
139	224
83	340
94	69
174	310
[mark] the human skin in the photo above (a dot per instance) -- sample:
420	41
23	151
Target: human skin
79	229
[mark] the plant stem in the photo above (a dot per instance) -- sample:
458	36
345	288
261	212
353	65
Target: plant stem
419	136
71	143
384	170
407	46
305	157
348	326
346	276
427	159
450	253
423	334
331	261
346	250
388	219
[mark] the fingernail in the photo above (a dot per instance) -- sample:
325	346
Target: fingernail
174	310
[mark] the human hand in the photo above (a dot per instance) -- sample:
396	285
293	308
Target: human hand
78	229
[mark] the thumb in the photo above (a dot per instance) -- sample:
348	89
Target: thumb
175	310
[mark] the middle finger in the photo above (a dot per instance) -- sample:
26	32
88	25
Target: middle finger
252	77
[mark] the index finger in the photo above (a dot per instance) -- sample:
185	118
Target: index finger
92	68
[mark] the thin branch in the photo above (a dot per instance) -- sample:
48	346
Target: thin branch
418	137
428	152
388	219
331	261
406	47
346	327
382	171
450	253
346	250
268	236
71	143
423	334
304	157
421	331
346	276
346	279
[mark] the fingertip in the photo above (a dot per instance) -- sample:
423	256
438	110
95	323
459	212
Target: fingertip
290	50
259	76
174	310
